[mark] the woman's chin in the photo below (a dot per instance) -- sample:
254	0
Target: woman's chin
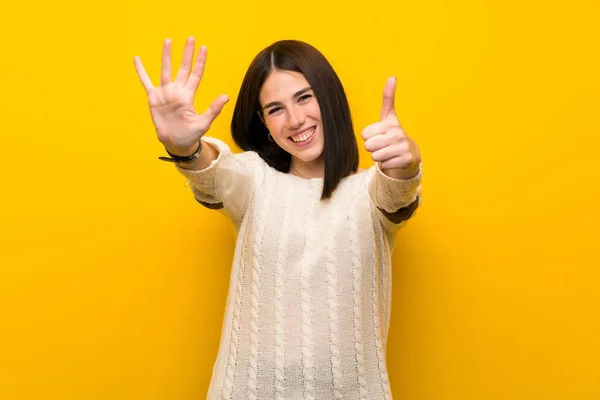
308	156
311	154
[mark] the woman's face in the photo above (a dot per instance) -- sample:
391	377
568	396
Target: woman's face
291	113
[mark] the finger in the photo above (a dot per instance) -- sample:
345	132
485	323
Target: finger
186	62
402	161
213	111
141	71
198	71
165	74
391	151
389	91
379	142
378	128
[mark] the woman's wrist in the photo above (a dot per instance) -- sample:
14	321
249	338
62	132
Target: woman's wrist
185	151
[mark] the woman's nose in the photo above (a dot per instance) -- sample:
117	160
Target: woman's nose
295	118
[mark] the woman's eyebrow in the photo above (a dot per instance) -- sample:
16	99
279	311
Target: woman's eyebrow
297	94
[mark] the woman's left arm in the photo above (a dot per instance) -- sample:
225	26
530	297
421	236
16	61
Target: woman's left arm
396	185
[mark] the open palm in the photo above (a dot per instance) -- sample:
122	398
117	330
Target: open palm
177	123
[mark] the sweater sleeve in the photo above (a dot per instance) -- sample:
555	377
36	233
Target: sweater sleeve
227	182
396	199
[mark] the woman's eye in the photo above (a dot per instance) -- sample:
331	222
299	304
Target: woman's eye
305	97
274	110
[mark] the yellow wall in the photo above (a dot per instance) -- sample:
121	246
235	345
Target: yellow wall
113	279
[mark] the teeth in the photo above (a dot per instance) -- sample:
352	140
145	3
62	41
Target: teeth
304	136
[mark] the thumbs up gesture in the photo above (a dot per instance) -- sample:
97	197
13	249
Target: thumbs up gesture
389	145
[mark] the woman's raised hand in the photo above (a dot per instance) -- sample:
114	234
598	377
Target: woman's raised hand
178	125
397	153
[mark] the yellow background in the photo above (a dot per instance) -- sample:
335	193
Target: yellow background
113	279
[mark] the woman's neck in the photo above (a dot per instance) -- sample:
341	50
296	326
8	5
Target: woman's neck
308	170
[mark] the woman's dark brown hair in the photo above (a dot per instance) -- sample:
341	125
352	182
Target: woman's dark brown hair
250	134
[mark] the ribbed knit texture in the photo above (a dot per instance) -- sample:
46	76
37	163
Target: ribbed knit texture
307	312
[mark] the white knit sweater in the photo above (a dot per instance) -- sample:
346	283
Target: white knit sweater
308	308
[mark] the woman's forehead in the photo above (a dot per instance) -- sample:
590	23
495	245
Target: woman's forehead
282	84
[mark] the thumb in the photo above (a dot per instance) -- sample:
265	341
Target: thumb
389	91
206	119
214	110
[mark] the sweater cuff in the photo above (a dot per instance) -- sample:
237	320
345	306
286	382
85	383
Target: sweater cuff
392	194
223	151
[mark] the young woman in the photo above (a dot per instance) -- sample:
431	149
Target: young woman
308	308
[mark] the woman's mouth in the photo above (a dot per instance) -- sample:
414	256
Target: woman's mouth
304	136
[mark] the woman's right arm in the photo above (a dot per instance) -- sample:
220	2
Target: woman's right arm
218	178
227	181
